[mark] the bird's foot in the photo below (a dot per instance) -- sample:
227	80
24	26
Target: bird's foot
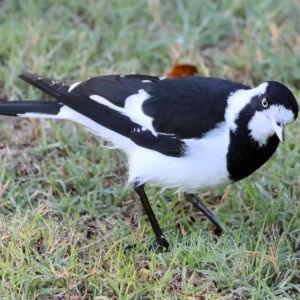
161	244
218	231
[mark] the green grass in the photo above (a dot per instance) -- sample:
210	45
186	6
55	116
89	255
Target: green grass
65	212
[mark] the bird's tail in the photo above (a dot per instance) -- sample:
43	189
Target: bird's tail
40	108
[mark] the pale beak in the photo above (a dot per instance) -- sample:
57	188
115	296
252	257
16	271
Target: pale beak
279	129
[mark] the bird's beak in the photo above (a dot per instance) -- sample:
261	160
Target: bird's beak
279	129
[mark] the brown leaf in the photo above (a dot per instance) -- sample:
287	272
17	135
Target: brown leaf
181	70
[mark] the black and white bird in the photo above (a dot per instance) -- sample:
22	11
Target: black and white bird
189	133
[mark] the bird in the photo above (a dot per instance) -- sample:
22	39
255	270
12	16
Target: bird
189	134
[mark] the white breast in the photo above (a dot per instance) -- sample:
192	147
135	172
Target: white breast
203	166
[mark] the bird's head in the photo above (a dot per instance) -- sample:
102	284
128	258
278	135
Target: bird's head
274	107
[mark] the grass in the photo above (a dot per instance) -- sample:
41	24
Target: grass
65	212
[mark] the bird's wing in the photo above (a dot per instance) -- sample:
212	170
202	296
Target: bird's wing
168	145
188	107
76	95
153	113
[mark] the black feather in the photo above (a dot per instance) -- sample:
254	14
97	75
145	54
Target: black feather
165	144
188	107
14	108
81	103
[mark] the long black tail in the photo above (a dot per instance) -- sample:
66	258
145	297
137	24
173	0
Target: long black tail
73	102
16	108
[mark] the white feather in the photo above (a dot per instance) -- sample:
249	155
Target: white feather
238	100
67	113
132	108
73	86
107	103
203	166
261	124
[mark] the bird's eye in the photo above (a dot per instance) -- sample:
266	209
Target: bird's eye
264	103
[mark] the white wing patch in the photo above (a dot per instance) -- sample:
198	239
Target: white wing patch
72	115
73	86
107	103
132	108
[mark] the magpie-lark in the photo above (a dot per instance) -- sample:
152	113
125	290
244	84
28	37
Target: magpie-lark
189	133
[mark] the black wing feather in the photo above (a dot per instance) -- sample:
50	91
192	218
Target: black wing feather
166	144
97	112
181	108
114	88
188	107
15	108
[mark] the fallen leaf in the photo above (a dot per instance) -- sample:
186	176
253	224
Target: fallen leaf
181	70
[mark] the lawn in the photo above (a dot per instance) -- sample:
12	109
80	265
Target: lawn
66	213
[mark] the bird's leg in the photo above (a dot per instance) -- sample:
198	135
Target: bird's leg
160	238
196	202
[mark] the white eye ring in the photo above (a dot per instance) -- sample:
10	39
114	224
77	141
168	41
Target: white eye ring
264	103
